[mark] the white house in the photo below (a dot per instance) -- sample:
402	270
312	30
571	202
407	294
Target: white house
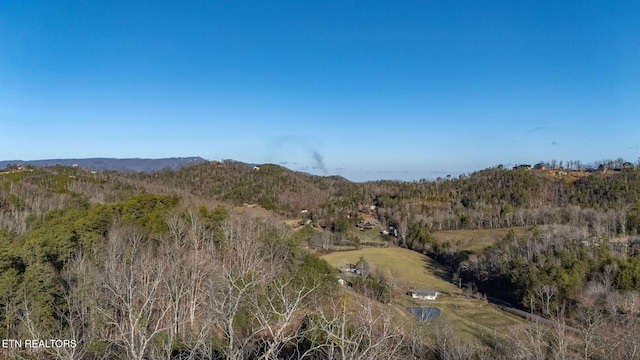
424	294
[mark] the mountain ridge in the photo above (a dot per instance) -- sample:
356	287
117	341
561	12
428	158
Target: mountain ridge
105	163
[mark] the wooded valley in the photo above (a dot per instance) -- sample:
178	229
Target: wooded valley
222	260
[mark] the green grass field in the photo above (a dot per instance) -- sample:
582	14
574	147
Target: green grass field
408	268
475	240
474	319
369	236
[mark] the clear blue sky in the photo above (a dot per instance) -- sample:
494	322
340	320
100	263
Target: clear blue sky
364	89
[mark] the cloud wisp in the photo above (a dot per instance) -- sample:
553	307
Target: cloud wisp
536	130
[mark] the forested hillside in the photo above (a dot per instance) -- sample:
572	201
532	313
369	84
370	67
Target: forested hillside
110	163
168	264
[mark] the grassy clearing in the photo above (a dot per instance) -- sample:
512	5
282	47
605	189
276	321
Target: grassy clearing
370	236
408	268
475	318
472	318
475	240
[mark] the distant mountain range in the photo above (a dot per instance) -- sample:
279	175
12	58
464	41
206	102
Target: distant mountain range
134	164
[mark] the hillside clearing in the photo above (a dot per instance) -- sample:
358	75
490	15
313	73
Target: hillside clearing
476	240
408	268
475	318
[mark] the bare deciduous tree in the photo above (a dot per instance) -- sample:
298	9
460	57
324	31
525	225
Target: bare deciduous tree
361	333
243	269
131	284
544	296
275	312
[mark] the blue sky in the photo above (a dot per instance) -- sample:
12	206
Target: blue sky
363	89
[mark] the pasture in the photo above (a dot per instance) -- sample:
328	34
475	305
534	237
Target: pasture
472	318
405	268
475	240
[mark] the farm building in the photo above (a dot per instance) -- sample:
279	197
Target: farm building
367	225
424	294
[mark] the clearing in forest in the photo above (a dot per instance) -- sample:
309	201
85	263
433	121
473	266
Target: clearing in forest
475	240
472	318
405	267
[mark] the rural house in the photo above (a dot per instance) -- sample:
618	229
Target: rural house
540	166
365	225
424	294
627	166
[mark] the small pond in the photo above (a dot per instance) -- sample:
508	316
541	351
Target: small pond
424	313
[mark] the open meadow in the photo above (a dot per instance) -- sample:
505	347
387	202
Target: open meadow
476	240
472	318
406	267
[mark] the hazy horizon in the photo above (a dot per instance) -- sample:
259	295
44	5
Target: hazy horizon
372	177
367	91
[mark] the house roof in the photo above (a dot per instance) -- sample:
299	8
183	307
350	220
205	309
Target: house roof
424	292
